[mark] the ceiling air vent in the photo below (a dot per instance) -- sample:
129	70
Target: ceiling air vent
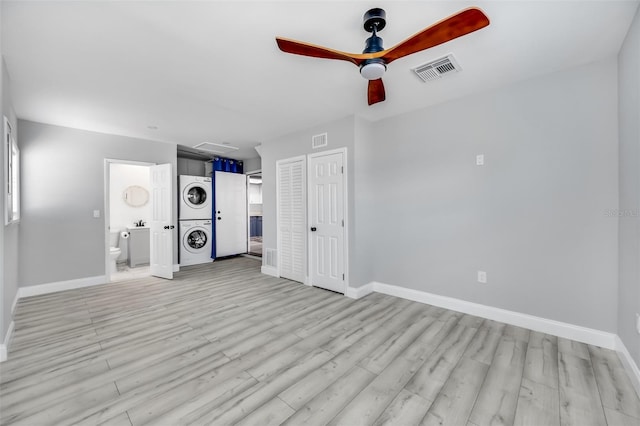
216	148
438	68
318	141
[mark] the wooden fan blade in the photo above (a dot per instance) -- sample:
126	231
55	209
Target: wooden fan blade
307	49
376	91
462	23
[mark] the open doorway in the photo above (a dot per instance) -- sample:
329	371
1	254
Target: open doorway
254	199
128	213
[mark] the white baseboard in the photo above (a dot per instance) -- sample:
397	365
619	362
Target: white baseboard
4	347
176	268
556	328
629	364
359	292
270	270
15	302
35	290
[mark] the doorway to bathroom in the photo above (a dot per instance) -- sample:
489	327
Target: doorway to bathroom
254	199
128	212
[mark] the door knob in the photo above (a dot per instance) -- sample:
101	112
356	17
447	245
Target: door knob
219	218
313	229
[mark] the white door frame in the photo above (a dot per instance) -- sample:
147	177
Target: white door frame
249	174
345	195
107	205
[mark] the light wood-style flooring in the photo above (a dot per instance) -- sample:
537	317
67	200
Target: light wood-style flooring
223	344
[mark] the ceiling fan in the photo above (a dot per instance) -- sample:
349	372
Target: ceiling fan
374	58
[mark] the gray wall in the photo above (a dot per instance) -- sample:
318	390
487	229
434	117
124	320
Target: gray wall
8	234
365	201
252	164
340	134
629	230
190	167
532	217
62	183
423	216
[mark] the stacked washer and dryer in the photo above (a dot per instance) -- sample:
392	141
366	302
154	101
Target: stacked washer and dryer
196	232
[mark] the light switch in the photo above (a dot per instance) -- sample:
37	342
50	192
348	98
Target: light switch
96	214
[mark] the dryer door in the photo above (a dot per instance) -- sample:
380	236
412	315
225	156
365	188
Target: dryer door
195	196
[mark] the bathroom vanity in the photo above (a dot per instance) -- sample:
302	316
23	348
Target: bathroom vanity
139	247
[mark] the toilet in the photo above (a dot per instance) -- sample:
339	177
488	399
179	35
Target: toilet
114	251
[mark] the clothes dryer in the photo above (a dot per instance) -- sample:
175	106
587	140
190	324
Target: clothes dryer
195	197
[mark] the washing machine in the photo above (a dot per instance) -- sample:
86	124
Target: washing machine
195	242
195	198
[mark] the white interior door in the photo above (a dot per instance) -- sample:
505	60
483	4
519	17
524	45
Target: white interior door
326	221
161	226
231	213
292	218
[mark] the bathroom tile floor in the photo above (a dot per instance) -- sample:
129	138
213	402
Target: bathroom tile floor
126	273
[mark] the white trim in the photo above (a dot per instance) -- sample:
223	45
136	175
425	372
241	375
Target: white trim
176	267
35	290
270	270
556	328
359	292
629	364
15	303
4	347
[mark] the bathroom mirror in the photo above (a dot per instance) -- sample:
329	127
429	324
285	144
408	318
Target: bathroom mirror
135	196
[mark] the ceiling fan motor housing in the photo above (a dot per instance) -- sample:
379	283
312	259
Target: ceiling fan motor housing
374	19
373	69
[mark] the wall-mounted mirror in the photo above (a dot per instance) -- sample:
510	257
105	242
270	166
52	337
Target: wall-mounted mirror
135	196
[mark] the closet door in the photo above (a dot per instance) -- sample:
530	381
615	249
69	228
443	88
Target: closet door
231	213
292	220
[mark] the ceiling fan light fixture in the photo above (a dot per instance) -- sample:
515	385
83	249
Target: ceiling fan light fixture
373	71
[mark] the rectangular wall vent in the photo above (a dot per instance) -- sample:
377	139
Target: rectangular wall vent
271	257
438	68
318	141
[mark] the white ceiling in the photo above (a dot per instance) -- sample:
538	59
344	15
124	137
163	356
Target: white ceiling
211	71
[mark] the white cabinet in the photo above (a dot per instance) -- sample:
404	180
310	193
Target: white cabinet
139	246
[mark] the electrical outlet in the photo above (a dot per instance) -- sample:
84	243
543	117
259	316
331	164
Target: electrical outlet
482	277
480	160
638	323
96	214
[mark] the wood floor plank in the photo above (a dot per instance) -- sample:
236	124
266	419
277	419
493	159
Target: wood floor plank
616	390
322	408
369	404
537	405
580	401
224	344
453	404
431	377
498	397
273	413
238	407
541	364
618	418
299	393
406	409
